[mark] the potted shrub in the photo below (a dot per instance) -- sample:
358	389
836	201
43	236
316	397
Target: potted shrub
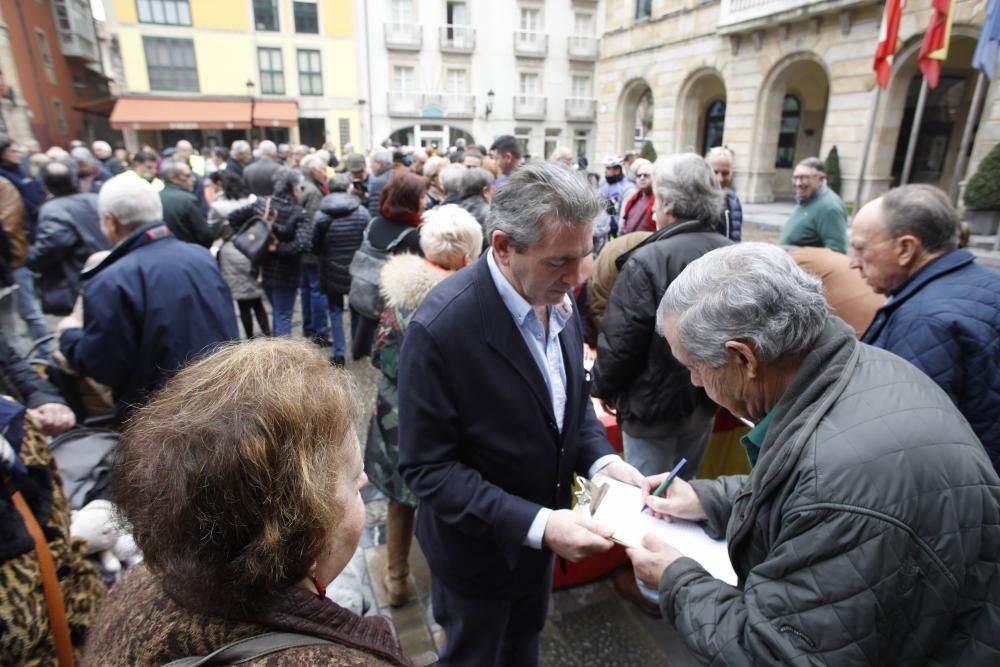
648	152
982	196
833	176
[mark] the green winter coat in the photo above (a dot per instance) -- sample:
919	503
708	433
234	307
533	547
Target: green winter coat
183	215
820	222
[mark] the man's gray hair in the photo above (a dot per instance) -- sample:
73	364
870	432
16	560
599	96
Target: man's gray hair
923	211
83	154
474	181
312	161
171	169
451	178
384	158
538	198
339	182
813	163
131	200
284	179
102	147
240	147
267	148
750	292
449	235
686	184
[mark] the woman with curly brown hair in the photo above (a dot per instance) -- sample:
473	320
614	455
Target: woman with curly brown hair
241	482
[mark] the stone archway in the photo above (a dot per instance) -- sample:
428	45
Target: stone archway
944	119
635	114
798	81
701	93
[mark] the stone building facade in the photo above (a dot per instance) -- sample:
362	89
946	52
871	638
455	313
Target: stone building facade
781	80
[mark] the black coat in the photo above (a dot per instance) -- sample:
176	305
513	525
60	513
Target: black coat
384	231
282	267
234	166
635	369
258	175
338	230
184	215
69	231
478	441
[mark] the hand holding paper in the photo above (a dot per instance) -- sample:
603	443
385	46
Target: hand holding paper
651	559
575	535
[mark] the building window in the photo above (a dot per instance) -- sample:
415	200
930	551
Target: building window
581	86
402	11
523	136
272	71
455	81
643	9
46	54
715	123
168	12
60	114
306	18
344	125
791	116
455	13
583	24
580	139
531	20
403	79
265	15
310	73
529	84
171	64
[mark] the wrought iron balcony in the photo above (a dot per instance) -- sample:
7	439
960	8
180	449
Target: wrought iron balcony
448	105
530	44
581	109
529	107
737	16
581	47
457	39
404	103
404	36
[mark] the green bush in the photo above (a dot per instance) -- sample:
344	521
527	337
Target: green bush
834	179
648	152
983	190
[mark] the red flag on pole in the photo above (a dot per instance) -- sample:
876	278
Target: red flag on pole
888	35
934	50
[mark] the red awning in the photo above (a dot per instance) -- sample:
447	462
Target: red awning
148	113
269	113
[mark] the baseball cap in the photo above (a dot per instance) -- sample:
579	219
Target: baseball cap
355	162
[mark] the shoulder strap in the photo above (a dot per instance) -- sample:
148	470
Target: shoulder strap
50	584
250	648
399	239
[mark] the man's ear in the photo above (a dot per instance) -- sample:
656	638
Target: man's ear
908	249
502	247
745	357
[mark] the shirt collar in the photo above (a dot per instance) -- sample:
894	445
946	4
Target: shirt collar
754	440
519	308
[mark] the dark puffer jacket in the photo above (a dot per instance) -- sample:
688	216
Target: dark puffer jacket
69	231
337	233
282	267
945	320
868	533
634	367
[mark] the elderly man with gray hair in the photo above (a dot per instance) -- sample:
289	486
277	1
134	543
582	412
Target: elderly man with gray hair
259	174
494	418
868	531
151	306
182	212
381	171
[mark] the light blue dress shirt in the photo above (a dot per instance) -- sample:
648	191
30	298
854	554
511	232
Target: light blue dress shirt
547	353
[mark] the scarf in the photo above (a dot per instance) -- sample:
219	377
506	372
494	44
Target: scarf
414	219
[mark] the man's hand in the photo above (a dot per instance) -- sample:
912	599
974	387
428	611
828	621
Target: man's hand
651	559
53	418
679	501
575	536
69	322
623	472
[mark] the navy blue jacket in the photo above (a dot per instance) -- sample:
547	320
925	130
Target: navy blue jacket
731	223
154	304
478	440
945	320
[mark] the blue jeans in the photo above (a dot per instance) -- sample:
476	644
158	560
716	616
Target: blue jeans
336	304
282	301
313	304
28	309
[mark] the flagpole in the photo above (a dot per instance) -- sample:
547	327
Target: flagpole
970	124
873	107
918	118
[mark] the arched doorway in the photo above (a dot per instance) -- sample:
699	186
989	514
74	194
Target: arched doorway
635	115
945	115
440	137
791	116
701	116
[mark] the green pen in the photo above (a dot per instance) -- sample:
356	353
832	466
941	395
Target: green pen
665	483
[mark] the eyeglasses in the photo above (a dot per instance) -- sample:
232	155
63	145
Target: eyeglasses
643	175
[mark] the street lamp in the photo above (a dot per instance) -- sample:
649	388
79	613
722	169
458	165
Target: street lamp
250	87
490	96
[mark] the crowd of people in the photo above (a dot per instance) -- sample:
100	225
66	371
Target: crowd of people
497	296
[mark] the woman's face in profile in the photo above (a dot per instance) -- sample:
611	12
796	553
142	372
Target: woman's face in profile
348	533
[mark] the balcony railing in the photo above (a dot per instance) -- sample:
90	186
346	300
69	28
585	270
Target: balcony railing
735	15
77	37
581	109
405	36
75	46
531	44
457	38
450	105
581	47
405	103
528	107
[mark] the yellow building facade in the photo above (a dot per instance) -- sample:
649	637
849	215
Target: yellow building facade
292	62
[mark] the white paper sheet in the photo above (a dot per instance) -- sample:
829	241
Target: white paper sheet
621	509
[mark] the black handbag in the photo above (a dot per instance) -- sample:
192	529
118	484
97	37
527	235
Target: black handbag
254	236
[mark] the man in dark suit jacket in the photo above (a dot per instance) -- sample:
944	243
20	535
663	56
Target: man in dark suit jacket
258	175
495	417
